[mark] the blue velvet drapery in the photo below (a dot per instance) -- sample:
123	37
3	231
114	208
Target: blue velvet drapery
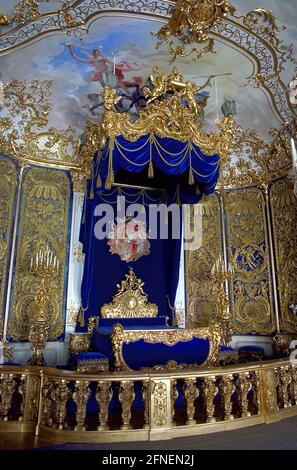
187	173
103	270
184	173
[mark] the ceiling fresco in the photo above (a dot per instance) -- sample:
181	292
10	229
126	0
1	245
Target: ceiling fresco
119	49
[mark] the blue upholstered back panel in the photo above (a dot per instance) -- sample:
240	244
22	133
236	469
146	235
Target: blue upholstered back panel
141	354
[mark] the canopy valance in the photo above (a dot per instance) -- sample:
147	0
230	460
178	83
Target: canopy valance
178	164
166	139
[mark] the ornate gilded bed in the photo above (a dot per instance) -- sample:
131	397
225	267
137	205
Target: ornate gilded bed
132	335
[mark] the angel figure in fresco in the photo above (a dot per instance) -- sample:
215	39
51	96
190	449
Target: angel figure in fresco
104	66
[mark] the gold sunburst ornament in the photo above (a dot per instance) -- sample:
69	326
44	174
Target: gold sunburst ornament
130	301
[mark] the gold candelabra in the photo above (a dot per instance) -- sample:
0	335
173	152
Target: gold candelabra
223	273
45	266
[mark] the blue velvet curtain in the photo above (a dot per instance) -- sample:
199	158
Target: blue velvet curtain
184	173
104	270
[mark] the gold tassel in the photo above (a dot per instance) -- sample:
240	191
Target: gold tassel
191	177
198	190
92	193
150	171
98	181
151	168
178	197
108	183
81	317
110	177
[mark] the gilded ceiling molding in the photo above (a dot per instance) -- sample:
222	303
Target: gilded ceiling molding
256	37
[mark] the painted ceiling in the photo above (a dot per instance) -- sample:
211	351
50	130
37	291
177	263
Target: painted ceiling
76	65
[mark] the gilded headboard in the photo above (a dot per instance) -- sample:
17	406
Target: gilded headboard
130	300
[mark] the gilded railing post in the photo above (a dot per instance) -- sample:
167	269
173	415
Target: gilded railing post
60	395
103	397
30	391
294	382
191	393
7	387
47	389
210	391
285	380
146	401
160	413
80	397
267	385
22	392
228	388
245	386
126	397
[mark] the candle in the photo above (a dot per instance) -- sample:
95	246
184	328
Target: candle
294	154
31	265
217	102
58	264
36	259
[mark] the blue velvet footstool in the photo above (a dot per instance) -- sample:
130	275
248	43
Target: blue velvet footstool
90	362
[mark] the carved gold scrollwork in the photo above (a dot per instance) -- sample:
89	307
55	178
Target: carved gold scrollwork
248	251
130	300
202	291
160	404
8	179
120	337
43	222
191	22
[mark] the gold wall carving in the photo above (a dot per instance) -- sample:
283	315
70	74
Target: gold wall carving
31	139
202	301
248	251
43	222
284	216
8	178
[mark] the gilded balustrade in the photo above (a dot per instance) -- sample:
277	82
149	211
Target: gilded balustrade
70	406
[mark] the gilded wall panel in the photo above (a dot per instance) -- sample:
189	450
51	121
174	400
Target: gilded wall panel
248	251
284	224
202	307
43	222
8	178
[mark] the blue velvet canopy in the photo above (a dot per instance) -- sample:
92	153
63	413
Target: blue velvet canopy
182	168
182	172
